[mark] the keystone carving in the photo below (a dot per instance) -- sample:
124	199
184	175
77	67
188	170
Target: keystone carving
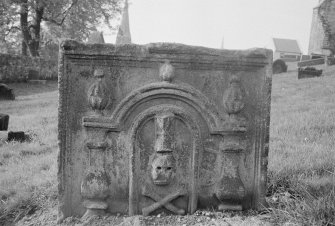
166	72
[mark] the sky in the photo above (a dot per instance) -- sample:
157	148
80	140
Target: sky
241	24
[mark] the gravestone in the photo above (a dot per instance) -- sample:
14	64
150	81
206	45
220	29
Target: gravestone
18	136
4	120
162	128
6	93
308	72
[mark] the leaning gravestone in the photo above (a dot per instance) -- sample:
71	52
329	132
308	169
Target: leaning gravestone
162	128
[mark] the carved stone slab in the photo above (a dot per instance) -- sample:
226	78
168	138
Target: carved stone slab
162	128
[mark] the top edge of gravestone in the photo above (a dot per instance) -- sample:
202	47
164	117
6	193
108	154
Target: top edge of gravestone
72	47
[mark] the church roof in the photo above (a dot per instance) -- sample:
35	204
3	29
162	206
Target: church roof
286	45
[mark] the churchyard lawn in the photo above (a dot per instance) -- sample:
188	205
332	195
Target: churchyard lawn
301	180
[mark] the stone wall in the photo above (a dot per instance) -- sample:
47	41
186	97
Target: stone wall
14	68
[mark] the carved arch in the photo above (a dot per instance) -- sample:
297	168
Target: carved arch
184	93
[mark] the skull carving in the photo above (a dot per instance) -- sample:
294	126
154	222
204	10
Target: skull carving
163	169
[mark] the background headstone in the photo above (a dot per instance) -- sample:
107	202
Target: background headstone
308	72
6	93
16	136
4	120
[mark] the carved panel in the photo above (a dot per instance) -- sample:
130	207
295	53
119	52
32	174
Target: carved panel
164	137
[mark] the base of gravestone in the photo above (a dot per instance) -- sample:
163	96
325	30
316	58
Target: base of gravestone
94	208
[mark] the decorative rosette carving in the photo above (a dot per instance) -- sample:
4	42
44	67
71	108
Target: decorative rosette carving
97	93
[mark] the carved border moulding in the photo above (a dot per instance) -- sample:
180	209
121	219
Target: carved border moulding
204	59
233	102
95	184
97	93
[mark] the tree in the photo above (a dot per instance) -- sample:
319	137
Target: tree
38	22
8	27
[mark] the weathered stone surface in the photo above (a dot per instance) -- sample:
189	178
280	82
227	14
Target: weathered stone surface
162	127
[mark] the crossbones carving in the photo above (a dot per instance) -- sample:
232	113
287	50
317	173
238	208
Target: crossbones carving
159	201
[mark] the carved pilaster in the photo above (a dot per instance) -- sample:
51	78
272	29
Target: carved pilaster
95	184
230	190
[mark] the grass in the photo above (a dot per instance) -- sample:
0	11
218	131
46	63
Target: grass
301	158
302	149
28	170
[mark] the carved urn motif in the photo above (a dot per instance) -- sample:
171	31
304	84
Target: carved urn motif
97	93
233	102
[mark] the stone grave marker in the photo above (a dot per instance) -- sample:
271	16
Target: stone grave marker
6	93
154	128
4	120
308	72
